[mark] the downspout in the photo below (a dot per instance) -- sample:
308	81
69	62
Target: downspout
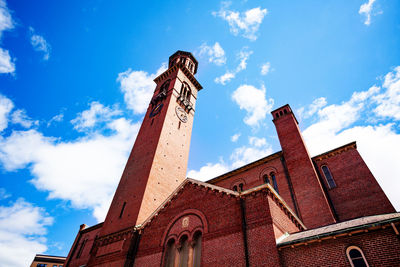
330	203
244	230
296	209
133	248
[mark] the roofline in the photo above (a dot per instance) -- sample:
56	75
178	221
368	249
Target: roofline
291	215
281	107
50	256
335	151
245	167
91	228
184	69
187	54
175	193
338	232
278	198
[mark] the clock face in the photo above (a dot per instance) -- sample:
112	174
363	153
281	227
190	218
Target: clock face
156	110
181	113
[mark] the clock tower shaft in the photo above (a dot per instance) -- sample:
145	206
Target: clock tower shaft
158	161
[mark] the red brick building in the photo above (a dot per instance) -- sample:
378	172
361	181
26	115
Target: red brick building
286	209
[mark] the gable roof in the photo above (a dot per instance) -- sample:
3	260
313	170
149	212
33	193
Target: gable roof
177	190
266	187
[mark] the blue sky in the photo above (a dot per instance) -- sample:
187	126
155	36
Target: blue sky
76	77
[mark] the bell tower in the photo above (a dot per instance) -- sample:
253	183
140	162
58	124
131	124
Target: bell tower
158	160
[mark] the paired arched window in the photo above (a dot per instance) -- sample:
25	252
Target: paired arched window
186	92
267	180
328	177
238	188
185	253
356	257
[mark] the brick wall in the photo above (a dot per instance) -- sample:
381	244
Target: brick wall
357	193
380	247
253	177
86	236
312	202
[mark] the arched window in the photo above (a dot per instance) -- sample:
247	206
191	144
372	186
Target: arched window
183	60
184	252
185	92
170	253
241	187
356	257
164	87
197	249
274	184
235	188
265	178
328	177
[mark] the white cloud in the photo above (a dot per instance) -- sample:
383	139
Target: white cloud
242	56
265	68
256	149
4	194
215	53
40	44
6	62
366	9
209	171
225	78
254	101
69	170
389	101
334	118
138	88
316	105
245	154
6	105
97	113
6	22
340	124
246	23
235	137
22	230
20	117
257	142
56	118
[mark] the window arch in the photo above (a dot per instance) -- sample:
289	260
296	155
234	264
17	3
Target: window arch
186	92
183	251
183	239
356	257
164	87
241	187
266	179
274	183
328	177
197	249
170	253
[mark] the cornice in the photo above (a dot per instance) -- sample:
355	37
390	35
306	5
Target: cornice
183	68
336	151
245	167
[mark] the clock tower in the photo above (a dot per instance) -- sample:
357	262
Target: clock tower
158	160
